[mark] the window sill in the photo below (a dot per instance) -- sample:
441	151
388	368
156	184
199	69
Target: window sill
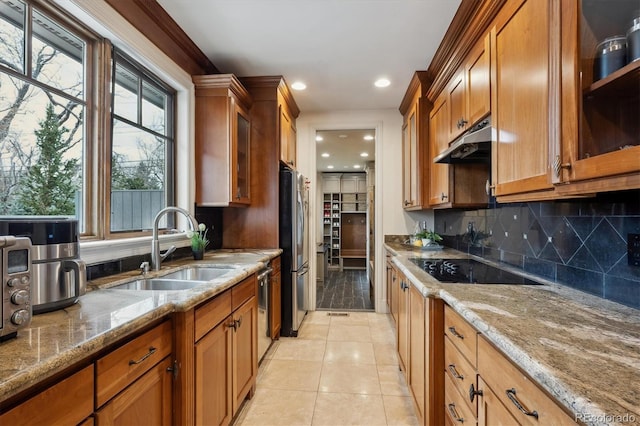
94	252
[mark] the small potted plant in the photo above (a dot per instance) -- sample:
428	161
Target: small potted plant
428	237
199	241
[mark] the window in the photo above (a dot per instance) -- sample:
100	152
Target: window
142	146
52	132
43	113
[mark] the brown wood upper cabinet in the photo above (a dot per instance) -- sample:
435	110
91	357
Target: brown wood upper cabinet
468	92
600	144
288	136
222	141
414	108
273	114
521	98
459	185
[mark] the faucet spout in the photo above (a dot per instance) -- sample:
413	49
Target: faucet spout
156	256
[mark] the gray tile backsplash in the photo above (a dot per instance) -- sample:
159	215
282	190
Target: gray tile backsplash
578	243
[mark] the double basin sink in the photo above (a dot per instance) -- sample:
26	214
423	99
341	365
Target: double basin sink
182	279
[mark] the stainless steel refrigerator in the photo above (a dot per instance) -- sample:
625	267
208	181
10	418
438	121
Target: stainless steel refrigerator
294	226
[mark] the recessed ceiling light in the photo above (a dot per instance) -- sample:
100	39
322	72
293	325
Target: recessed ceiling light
368	138
356	166
364	154
298	85
329	166
382	82
319	138
325	154
343	136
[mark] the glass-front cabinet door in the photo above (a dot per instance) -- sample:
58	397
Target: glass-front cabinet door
241	182
600	93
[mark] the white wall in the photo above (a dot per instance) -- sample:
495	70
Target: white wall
390	216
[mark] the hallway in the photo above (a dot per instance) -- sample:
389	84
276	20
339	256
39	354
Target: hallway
340	370
344	290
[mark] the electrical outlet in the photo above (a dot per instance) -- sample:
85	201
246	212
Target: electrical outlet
633	249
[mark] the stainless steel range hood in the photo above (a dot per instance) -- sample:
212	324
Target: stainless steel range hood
473	146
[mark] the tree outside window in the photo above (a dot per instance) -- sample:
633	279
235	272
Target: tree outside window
42	113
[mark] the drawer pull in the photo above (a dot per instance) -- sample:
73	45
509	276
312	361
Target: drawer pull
454	413
454	372
152	350
473	392
511	393
453	331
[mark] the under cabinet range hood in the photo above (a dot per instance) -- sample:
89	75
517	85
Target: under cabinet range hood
474	146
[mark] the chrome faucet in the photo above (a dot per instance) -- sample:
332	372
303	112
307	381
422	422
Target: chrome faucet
156	256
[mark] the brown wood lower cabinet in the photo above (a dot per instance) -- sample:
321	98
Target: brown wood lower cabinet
490	410
526	402
213	376
417	350
217	349
68	402
145	401
402	323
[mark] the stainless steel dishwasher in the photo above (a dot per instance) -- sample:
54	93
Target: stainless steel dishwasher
264	329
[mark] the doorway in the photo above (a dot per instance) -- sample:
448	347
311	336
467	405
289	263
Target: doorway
345	164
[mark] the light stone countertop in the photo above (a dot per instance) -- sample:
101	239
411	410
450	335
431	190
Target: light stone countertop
584	350
58	340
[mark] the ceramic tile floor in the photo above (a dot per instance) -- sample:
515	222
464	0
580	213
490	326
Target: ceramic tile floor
340	370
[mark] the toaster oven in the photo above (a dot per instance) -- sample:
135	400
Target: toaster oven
16	271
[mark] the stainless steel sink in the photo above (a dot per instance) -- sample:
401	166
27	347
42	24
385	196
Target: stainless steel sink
161	284
201	273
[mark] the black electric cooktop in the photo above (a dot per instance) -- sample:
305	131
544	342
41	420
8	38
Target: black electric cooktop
468	271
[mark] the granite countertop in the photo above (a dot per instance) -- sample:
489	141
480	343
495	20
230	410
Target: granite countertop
57	340
584	350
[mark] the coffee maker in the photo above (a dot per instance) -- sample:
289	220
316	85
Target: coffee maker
59	276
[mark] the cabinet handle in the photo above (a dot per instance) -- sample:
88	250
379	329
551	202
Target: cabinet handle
454	413
511	394
443	197
407	203
232	324
290	162
454	372
473	392
152	350
174	368
453	331
239	321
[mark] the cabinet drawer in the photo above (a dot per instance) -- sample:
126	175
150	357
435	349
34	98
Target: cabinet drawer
242	292
211	313
67	402
463	336
512	387
456	409
461	373
120	368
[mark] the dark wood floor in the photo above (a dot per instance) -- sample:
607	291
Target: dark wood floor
346	290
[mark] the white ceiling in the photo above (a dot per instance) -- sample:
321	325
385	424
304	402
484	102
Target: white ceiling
337	47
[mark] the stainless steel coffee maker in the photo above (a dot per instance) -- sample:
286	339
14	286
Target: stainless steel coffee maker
59	276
